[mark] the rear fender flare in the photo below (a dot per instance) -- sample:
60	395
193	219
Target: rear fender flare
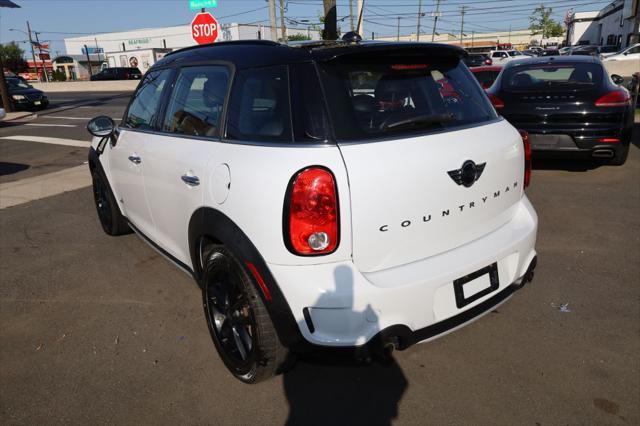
212	224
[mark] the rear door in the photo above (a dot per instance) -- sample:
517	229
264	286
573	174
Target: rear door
430	165
126	157
176	169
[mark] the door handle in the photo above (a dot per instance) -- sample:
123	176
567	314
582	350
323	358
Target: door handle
190	180
135	159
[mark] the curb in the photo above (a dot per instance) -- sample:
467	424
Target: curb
15	116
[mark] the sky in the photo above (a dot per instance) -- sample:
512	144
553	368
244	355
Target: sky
57	19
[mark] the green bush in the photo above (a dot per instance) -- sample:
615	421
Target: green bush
59	76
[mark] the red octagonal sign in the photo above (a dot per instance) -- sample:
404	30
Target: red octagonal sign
204	28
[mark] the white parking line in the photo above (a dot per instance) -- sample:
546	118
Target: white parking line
51	125
47	185
53	141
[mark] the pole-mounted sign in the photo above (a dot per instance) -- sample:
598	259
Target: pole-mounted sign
202	4
204	28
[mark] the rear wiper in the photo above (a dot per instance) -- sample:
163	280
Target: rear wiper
416	121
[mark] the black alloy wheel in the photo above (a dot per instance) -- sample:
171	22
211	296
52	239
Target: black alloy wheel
101	198
238	321
230	317
112	221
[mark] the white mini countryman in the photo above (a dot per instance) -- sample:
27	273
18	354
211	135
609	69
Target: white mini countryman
325	195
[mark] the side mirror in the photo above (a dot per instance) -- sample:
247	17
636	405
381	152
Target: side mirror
617	79
101	126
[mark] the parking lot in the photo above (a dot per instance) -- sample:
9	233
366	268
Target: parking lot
102	330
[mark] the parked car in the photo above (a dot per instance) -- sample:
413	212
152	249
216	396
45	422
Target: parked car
536	49
477	59
551	52
500	57
486	75
332	197
530	52
608	50
585	51
630	54
569	105
25	96
118	73
564	50
3	114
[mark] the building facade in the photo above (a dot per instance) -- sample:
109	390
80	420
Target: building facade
143	47
616	24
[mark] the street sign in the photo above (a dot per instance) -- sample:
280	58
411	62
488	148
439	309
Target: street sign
201	4
204	28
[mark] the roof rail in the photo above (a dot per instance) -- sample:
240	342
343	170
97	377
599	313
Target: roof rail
225	43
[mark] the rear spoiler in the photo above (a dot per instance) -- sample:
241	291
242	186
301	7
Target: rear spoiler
358	50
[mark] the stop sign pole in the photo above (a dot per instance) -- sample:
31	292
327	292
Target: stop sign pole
204	28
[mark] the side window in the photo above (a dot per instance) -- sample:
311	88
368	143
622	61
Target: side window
310	122
146	102
259	106
195	104
496	55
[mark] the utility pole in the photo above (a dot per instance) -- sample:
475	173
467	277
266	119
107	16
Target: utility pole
361	17
351	14
509	33
33	54
398	36
473	34
272	18
6	102
86	51
330	20
45	76
435	19
283	29
463	10
419	16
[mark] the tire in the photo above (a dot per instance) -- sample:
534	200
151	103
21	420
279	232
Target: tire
238	321
620	157
112	221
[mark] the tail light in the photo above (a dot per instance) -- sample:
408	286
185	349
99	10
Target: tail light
496	101
609	140
488	61
614	99
311	213
527	157
126	75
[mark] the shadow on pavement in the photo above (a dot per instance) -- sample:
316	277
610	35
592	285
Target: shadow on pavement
334	387
11	168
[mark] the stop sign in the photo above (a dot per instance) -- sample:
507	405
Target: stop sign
204	28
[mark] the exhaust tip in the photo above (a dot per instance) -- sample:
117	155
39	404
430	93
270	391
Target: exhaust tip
602	153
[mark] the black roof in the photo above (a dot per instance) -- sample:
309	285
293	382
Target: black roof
551	59
253	53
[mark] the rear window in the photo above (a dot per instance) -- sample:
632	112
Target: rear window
486	78
387	97
550	76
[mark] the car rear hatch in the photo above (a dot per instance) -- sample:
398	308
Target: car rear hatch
557	99
431	166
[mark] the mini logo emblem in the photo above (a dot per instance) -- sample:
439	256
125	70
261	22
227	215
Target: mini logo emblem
468	174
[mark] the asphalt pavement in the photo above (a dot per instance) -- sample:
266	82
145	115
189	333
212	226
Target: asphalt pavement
102	330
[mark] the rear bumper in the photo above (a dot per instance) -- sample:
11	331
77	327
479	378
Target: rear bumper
336	305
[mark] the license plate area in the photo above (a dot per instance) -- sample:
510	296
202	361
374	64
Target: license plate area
477	284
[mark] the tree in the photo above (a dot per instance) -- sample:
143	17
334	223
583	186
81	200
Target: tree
298	37
12	58
542	23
